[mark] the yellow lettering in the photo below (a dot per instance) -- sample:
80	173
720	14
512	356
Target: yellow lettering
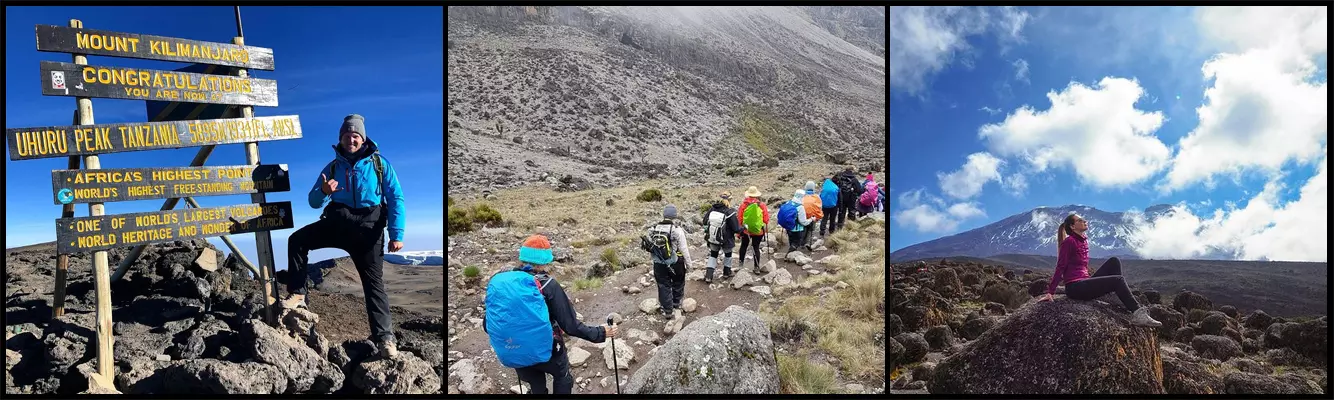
89	78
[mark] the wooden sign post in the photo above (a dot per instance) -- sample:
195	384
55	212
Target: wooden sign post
94	186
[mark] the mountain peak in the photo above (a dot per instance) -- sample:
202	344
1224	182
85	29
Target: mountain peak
1034	232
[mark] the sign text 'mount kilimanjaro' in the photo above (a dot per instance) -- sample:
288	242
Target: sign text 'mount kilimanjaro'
126	184
89	234
75	80
72	140
132	45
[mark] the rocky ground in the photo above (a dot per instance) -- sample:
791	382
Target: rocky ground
835	270
188	320
966	327
616	94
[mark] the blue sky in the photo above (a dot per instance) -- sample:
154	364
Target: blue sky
381	62
1220	111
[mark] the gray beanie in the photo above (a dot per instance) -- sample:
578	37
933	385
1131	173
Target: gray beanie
354	123
810	185
669	212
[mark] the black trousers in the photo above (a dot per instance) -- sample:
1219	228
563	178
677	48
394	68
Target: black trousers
847	208
754	243
828	220
1108	279
671	283
795	239
365	246
559	369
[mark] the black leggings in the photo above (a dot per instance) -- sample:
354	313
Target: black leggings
752	242
1108	279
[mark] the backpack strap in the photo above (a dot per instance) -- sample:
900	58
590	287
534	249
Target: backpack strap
379	174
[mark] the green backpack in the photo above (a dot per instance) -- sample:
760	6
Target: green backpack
753	218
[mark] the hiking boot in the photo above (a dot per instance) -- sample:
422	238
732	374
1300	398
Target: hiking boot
708	275
294	301
1141	317
727	273
668	314
388	349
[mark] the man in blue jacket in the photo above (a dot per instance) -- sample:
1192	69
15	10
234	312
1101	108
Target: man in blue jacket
364	196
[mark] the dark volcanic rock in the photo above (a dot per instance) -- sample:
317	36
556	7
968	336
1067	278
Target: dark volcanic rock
1153	297
974	328
915	347
1215	347
1184	334
1185	377
1259	320
224	377
1310	339
1248	383
1115	357
1188	300
305	370
939	337
405	374
1171	320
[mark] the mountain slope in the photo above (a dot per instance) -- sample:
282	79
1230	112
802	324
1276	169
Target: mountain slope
1034	232
608	93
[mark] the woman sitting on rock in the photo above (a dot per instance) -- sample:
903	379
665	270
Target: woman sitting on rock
1072	263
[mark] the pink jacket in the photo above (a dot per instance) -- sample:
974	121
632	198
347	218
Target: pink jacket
1071	263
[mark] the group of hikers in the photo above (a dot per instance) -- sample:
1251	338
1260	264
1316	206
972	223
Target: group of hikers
528	334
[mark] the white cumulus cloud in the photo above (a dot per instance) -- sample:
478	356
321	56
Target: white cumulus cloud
924	40
1263	109
1096	131
923	212
968	180
1265	229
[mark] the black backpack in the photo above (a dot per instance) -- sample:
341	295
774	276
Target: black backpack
658	243
846	183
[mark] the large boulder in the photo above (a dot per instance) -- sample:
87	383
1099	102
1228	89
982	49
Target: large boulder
222	377
1310	339
1171	320
924	309
947	283
306	372
975	327
1153	297
939	337
405	374
729	352
915	347
469	377
1188	300
206	341
1258	320
1215	347
1248	383
1187	377
896	351
1029	353
1215	322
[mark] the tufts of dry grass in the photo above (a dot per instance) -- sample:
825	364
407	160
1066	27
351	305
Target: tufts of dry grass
587	283
797	374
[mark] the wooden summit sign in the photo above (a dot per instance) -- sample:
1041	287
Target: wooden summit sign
106	185
74	80
132	45
72	140
88	234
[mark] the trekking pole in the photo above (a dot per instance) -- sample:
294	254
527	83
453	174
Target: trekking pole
616	368
516	378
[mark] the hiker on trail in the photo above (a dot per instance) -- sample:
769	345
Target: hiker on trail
849	187
814	210
792	217
754	218
667	247
1072	266
869	197
880	201
720	226
366	197
828	205
529	335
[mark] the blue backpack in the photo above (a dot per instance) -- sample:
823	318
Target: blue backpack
787	215
517	320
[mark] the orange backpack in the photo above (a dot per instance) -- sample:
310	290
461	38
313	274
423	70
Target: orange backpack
812	204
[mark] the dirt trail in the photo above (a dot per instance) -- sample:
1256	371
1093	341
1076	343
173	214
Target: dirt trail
596	304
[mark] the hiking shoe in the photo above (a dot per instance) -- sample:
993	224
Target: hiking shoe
294	301
388	349
668	314
708	275
727	273
1141	317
